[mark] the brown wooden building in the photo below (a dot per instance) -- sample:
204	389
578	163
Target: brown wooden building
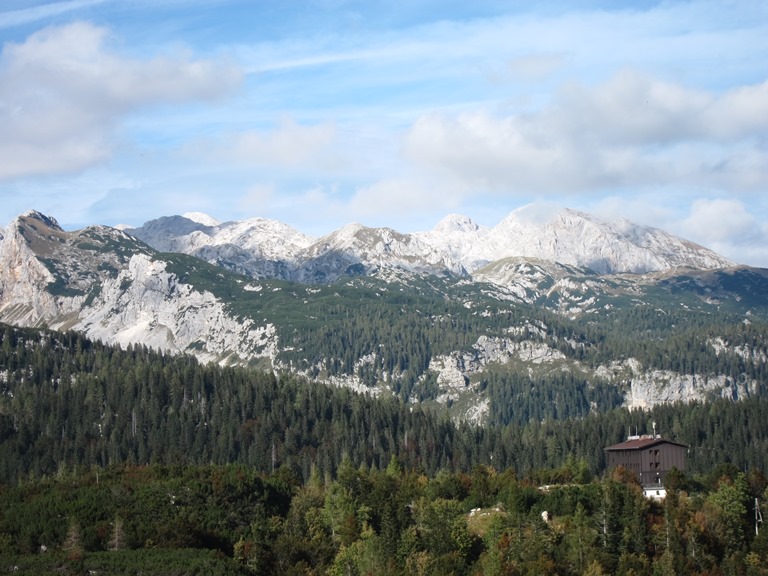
650	457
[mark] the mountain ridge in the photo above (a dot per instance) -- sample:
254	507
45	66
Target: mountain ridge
377	315
457	245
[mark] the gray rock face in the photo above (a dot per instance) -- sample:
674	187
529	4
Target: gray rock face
117	291
147	304
22	274
661	387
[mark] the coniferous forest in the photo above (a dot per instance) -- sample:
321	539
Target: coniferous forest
134	462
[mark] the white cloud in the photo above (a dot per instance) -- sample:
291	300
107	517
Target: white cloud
510	154
650	209
634	109
404	199
729	227
721	221
63	93
404	203
632	130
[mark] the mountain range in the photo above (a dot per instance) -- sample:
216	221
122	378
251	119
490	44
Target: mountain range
432	316
268	249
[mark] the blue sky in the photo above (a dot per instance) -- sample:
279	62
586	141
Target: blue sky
319	113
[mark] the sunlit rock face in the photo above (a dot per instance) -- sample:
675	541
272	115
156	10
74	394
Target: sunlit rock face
106	284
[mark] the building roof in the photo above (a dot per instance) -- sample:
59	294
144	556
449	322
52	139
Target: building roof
639	443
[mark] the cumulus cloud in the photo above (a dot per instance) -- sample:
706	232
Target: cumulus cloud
388	198
387	195
63	93
634	109
632	130
727	226
491	152
720	220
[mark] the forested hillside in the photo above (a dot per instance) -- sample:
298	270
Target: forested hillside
127	461
69	402
398	338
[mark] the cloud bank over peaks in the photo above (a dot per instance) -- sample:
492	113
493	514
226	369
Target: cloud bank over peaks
727	226
632	130
63	92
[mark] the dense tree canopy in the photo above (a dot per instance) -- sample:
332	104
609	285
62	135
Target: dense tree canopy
131	460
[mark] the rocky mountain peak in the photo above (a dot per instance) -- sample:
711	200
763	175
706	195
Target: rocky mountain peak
344	234
201	218
579	239
456	223
48	221
163	233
